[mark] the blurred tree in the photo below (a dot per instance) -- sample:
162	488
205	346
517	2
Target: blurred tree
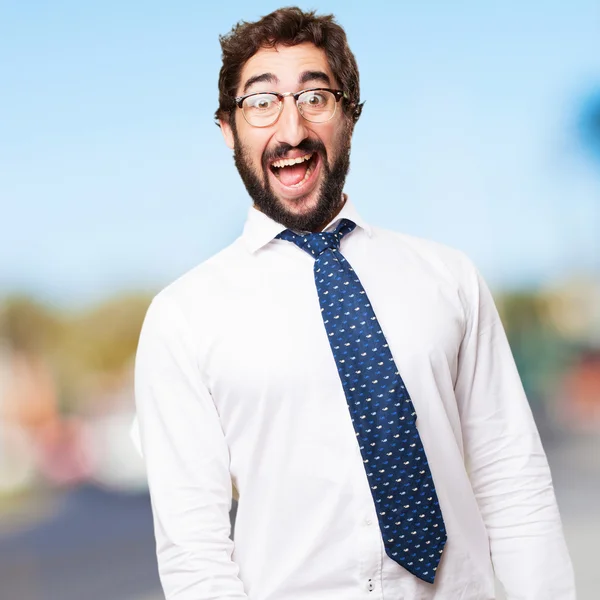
98	346
81	348
27	325
589	125
105	338
539	349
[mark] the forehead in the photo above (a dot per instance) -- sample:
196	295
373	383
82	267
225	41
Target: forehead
286	63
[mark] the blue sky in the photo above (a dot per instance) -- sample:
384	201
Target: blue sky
113	176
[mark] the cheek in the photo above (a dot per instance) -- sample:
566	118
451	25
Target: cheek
334	139
253	141
254	148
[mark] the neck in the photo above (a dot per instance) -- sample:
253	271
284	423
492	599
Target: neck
334	213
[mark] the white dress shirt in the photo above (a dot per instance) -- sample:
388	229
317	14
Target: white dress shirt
237	391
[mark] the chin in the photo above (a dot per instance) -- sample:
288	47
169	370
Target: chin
302	205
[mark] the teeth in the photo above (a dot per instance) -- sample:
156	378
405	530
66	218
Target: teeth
287	162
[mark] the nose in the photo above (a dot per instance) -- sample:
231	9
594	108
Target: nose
291	126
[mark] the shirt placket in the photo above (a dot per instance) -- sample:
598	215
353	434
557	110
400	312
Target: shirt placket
370	542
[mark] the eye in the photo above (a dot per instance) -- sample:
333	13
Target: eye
261	102
315	99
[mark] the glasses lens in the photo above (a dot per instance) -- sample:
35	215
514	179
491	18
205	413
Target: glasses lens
261	110
317	105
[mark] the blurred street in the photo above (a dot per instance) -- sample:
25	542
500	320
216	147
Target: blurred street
575	463
96	545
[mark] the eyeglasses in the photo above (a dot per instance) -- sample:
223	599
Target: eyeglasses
317	105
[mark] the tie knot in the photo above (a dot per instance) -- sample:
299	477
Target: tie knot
316	243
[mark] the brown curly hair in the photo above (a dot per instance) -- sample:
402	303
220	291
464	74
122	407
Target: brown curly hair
289	27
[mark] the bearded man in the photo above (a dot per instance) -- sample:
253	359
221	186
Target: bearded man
351	386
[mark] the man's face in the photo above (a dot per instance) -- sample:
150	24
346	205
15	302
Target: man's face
307	195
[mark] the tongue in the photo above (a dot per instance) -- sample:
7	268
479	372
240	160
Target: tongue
293	174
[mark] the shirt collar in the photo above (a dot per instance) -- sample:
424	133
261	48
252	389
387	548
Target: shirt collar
259	229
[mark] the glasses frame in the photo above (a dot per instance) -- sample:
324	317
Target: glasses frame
338	95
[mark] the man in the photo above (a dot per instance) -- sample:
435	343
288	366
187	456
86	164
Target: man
352	386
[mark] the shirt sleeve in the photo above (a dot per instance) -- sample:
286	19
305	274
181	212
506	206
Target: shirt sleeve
187	462
507	465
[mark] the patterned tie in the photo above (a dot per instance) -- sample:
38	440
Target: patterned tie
382	412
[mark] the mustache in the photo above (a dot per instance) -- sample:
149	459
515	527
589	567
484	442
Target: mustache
280	151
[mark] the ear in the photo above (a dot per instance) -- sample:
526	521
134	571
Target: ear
227	133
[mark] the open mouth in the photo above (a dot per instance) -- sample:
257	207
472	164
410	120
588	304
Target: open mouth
294	172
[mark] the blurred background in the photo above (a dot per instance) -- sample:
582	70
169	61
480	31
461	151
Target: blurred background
481	130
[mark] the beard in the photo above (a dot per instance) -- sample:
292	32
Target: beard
329	193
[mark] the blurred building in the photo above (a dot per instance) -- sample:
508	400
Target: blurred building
575	312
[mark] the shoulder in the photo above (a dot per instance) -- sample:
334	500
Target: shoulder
444	267
436	258
198	290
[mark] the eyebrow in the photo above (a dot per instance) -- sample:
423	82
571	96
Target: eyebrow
263	77
314	76
273	79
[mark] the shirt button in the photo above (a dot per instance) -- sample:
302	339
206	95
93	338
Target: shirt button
370	586
369	521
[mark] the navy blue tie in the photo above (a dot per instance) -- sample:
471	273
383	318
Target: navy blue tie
382	412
